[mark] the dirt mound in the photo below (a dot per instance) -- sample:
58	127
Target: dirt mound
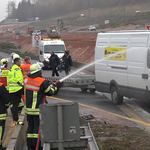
81	46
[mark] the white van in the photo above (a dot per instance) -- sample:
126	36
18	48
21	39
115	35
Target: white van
126	74
47	45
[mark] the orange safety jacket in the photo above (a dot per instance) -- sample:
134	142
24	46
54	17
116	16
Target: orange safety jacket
33	96
3	77
25	69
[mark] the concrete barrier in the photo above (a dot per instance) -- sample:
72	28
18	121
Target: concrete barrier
18	138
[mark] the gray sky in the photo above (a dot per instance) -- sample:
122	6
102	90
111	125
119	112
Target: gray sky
3	5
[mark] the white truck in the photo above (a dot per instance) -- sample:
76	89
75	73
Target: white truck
127	73
50	44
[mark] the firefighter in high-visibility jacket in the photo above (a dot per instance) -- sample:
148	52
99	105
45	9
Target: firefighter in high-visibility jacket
35	89
15	83
5	71
4	104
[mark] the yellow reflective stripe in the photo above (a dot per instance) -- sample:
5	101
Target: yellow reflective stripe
32	135
47	89
30	111
35	135
3	116
11	105
25	93
52	90
34	99
1	130
7	104
14	85
29	135
20	104
55	88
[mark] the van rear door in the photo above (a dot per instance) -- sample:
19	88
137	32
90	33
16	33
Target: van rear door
136	70
146	76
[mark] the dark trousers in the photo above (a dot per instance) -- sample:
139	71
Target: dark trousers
54	72
67	69
2	129
15	101
33	129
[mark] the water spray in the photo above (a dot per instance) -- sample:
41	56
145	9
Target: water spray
70	75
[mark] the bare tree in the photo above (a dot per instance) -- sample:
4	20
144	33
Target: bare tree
11	7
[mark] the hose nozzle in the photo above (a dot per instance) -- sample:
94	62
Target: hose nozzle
57	82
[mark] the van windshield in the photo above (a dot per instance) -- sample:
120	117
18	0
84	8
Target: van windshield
55	48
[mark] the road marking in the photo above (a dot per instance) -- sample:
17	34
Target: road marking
92	107
133	111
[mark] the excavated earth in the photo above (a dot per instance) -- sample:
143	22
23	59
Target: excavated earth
81	45
110	133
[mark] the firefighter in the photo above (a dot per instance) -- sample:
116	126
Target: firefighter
4	104
26	66
12	58
5	71
35	88
15	83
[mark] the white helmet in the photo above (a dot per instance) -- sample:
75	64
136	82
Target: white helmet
35	67
4	61
16	56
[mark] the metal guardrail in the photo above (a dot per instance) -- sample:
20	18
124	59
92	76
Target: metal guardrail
91	140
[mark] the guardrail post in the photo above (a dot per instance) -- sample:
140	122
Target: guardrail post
60	127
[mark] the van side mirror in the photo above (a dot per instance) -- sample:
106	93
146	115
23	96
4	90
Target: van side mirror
41	52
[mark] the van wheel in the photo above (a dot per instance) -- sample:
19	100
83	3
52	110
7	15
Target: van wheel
92	90
84	89
116	98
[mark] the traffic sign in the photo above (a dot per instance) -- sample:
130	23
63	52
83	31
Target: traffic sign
37	37
148	27
17	37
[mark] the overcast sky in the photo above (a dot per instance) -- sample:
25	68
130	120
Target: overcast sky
3	5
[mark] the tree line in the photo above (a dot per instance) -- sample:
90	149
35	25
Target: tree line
45	9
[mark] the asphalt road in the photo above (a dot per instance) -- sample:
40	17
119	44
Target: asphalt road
75	94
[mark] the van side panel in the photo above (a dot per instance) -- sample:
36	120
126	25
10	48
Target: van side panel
127	74
107	70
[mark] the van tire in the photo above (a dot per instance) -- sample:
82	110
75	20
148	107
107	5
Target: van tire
92	90
115	97
84	89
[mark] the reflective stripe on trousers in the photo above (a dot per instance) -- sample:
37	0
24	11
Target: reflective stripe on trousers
34	135
3	116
